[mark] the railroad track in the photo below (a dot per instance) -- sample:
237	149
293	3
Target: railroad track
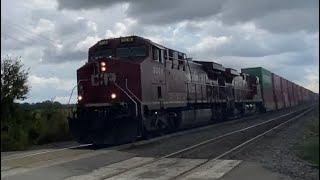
11	164
244	137
4	159
143	142
245	143
63	152
19	156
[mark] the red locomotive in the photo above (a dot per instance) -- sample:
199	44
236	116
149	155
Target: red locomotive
131	87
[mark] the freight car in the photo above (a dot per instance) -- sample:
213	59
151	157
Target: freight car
132	87
279	93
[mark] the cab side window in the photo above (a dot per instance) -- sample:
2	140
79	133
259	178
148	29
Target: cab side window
158	54
155	52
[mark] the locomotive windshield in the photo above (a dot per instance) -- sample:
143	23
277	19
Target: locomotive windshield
131	51
101	54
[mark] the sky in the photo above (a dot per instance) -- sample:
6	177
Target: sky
53	37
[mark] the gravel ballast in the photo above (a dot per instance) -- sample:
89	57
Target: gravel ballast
278	150
176	143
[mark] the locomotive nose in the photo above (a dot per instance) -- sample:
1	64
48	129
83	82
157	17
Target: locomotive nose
104	86
107	80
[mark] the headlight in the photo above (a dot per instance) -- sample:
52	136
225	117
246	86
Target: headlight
103	66
80	98
113	96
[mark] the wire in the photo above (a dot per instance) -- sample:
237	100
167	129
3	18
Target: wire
28	38
34	37
7	35
23	28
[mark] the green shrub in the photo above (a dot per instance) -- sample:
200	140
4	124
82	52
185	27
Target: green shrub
14	139
23	127
14	134
50	125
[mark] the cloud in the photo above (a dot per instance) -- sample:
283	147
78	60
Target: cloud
47	88
53	37
275	16
70	27
87	43
248	42
209	44
311	80
83	4
38	82
166	12
287	21
44	26
121	28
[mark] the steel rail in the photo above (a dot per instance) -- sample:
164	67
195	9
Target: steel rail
208	141
137	143
238	147
44	152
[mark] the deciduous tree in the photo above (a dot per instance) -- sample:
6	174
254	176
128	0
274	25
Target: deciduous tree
14	77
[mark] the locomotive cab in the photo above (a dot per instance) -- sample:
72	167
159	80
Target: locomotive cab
112	65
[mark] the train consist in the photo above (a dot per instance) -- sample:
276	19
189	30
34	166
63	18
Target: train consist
131	87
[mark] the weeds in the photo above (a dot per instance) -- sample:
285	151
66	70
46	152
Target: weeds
32	126
309	147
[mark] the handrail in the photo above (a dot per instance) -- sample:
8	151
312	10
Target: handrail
215	85
74	88
204	84
128	96
131	91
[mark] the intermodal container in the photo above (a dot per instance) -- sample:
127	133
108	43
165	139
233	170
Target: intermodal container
299	94
277	91
290	93
265	80
309	95
293	98
285	93
304	95
294	94
296	90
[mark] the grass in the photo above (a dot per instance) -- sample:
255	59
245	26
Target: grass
34	126
308	149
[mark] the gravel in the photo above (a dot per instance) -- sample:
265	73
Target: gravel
173	144
278	150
